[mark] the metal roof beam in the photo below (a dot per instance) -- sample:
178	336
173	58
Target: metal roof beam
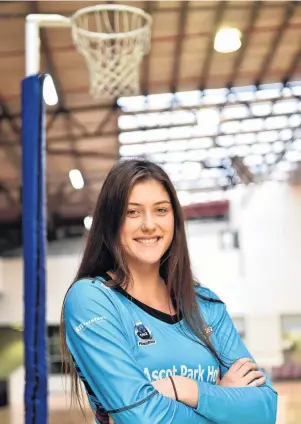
7	193
5	114
288	13
111	134
219	12
183	13
237	5
11	152
292	66
255	9
69	152
149	8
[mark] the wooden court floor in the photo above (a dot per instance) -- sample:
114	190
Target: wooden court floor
289	409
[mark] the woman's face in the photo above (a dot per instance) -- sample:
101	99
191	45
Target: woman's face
148	228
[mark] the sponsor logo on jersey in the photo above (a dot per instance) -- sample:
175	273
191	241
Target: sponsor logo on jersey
208	373
144	335
86	324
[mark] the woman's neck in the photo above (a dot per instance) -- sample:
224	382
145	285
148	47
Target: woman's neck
147	284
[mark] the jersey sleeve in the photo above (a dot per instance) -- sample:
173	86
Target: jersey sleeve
229	405
98	342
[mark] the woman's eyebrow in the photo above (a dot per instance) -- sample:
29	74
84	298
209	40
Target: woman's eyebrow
156	203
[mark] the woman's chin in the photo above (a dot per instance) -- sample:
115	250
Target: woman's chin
145	255
147	259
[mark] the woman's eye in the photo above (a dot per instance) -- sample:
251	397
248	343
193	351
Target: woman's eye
132	212
162	210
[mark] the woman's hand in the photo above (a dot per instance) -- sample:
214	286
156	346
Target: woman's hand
187	389
111	421
164	387
241	374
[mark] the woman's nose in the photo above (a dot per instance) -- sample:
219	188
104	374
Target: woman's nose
148	223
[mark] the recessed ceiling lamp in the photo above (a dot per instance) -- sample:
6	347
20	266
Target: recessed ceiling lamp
49	91
227	40
76	179
88	222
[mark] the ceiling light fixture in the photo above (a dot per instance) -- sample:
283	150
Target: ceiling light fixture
88	222
49	91
227	40
76	179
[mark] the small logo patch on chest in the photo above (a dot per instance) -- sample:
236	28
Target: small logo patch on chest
208	331
144	335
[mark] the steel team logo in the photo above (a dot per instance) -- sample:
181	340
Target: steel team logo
144	335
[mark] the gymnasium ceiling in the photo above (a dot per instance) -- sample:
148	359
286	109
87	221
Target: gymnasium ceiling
82	133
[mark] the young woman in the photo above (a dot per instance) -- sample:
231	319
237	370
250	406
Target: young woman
149	343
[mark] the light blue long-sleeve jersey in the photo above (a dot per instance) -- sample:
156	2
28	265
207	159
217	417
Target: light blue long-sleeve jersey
119	349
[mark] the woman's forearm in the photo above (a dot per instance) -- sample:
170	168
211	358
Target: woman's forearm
187	390
249	405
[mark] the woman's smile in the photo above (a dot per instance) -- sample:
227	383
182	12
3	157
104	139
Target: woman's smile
148	241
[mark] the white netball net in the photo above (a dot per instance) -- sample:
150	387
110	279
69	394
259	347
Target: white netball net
113	40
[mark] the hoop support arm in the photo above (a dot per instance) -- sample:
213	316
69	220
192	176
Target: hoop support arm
33	24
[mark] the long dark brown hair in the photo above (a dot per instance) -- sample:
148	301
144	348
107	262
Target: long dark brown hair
103	252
